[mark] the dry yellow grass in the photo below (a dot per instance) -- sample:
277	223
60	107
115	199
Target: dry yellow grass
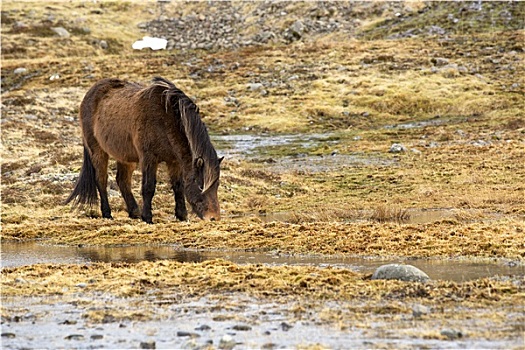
466	154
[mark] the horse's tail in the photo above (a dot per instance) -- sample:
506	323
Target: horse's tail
85	191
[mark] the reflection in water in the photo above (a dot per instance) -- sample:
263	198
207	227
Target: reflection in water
17	254
136	254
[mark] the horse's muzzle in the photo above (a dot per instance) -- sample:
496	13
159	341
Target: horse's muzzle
211	216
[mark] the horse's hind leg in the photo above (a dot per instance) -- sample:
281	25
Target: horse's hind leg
124	173
100	163
177	185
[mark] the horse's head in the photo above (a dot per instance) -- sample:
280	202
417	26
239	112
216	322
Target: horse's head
201	188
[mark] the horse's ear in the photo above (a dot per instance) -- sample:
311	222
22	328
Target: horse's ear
199	163
221	159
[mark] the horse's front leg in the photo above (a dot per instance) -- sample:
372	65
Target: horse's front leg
177	186
149	181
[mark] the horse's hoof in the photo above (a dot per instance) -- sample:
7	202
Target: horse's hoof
147	220
183	217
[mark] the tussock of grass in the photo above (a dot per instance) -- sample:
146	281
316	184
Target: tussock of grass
385	213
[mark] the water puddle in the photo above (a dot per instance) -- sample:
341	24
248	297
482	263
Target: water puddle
17	254
267	145
299	152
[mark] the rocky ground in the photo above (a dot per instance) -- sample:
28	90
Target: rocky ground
339	121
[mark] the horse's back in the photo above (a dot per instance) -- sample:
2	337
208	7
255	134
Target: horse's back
109	117
123	118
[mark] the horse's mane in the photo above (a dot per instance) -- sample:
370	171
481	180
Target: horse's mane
195	130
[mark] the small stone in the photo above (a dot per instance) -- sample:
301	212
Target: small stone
285	326
226	342
147	345
407	273
74	337
480	143
20	70
439	61
68	322
55	76
8	335
97	336
451	334
187	334
81	285
297	29
61	32
397	148
242	327
103	44
419	310
255	86
203	327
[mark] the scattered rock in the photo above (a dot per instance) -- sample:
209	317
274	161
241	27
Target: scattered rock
68	322
397	148
296	30
227	342
242	327
20	70
148	345
74	337
451	334
61	32
255	86
480	143
203	327
439	61
187	334
97	336
419	310
30	117
8	335
400	272
285	326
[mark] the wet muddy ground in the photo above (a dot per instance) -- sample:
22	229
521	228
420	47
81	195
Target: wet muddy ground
241	322
355	134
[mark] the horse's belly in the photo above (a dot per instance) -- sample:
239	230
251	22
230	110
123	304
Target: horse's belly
118	144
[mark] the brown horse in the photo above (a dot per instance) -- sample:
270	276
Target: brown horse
146	125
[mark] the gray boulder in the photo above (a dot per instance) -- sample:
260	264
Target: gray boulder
400	272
